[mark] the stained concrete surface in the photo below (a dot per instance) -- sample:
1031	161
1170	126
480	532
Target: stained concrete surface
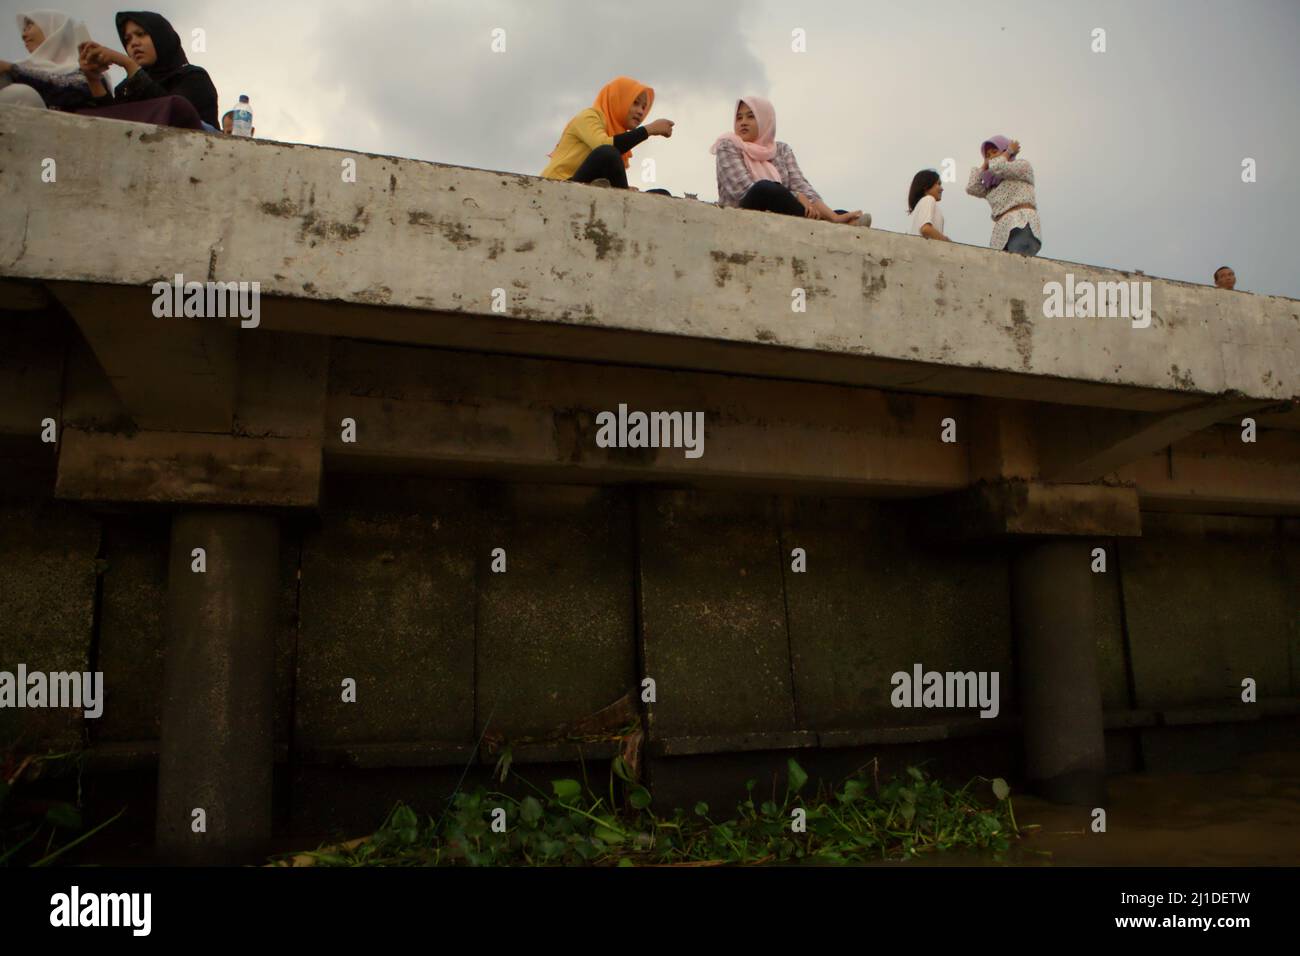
1208	601
556	636
883	309
47	604
387	599
877	598
130	643
713	614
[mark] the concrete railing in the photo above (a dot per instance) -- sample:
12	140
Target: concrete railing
492	261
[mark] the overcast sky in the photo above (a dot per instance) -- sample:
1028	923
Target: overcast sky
1137	151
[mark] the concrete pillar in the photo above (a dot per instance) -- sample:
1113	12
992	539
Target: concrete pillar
217	750
1053	620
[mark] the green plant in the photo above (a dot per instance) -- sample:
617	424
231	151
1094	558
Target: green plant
23	824
858	821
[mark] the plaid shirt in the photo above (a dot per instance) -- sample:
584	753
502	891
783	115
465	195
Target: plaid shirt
734	179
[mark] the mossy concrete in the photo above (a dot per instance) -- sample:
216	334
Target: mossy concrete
131	627
1209	601
387	599
712	609
556	634
47	601
875	599
132	620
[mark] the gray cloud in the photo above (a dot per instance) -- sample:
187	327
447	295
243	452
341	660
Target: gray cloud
441	92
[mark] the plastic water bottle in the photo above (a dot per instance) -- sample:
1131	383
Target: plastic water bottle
242	124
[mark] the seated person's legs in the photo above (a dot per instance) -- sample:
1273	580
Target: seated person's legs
768	196
603	162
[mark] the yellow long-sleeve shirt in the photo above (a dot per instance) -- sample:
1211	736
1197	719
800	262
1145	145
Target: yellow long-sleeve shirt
584	133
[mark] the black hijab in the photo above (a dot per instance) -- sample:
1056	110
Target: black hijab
172	71
171	55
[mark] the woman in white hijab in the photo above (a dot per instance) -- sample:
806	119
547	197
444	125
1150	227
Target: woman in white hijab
51	76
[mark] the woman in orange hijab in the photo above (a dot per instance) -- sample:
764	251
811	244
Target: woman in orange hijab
596	146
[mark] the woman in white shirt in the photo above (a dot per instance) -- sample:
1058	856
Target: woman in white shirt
923	203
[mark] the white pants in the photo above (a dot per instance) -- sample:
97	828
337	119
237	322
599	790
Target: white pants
20	94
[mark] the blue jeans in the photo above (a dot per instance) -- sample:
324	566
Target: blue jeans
1023	241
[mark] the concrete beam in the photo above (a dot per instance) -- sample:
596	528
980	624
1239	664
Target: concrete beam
171	374
32	350
1080	445
89	400
191	468
1003	440
440	411
1214	471
22	296
282	382
1031	508
589	273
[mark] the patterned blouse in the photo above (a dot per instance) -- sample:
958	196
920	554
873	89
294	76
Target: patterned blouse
734	179
1017	187
69	90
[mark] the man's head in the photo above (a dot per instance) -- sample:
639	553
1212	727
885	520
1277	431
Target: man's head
1225	278
228	121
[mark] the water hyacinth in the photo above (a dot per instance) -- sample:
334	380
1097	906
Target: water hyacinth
859	821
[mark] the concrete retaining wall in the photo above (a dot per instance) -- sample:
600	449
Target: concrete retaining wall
394	588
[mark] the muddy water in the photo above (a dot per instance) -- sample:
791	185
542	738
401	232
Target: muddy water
1244	817
1249	816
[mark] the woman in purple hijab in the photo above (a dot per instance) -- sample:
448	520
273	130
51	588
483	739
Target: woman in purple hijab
1007	182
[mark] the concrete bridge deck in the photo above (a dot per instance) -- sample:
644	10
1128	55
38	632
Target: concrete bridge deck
599	279
955	456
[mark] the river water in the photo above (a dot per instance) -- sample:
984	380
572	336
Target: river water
1249	816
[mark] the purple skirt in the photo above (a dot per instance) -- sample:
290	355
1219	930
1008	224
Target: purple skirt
162	111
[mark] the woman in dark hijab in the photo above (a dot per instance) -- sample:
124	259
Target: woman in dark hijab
155	66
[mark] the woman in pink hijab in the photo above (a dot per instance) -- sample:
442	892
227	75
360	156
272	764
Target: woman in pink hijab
757	172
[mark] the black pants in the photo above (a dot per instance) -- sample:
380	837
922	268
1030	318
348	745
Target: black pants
769	196
603	162
606	162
